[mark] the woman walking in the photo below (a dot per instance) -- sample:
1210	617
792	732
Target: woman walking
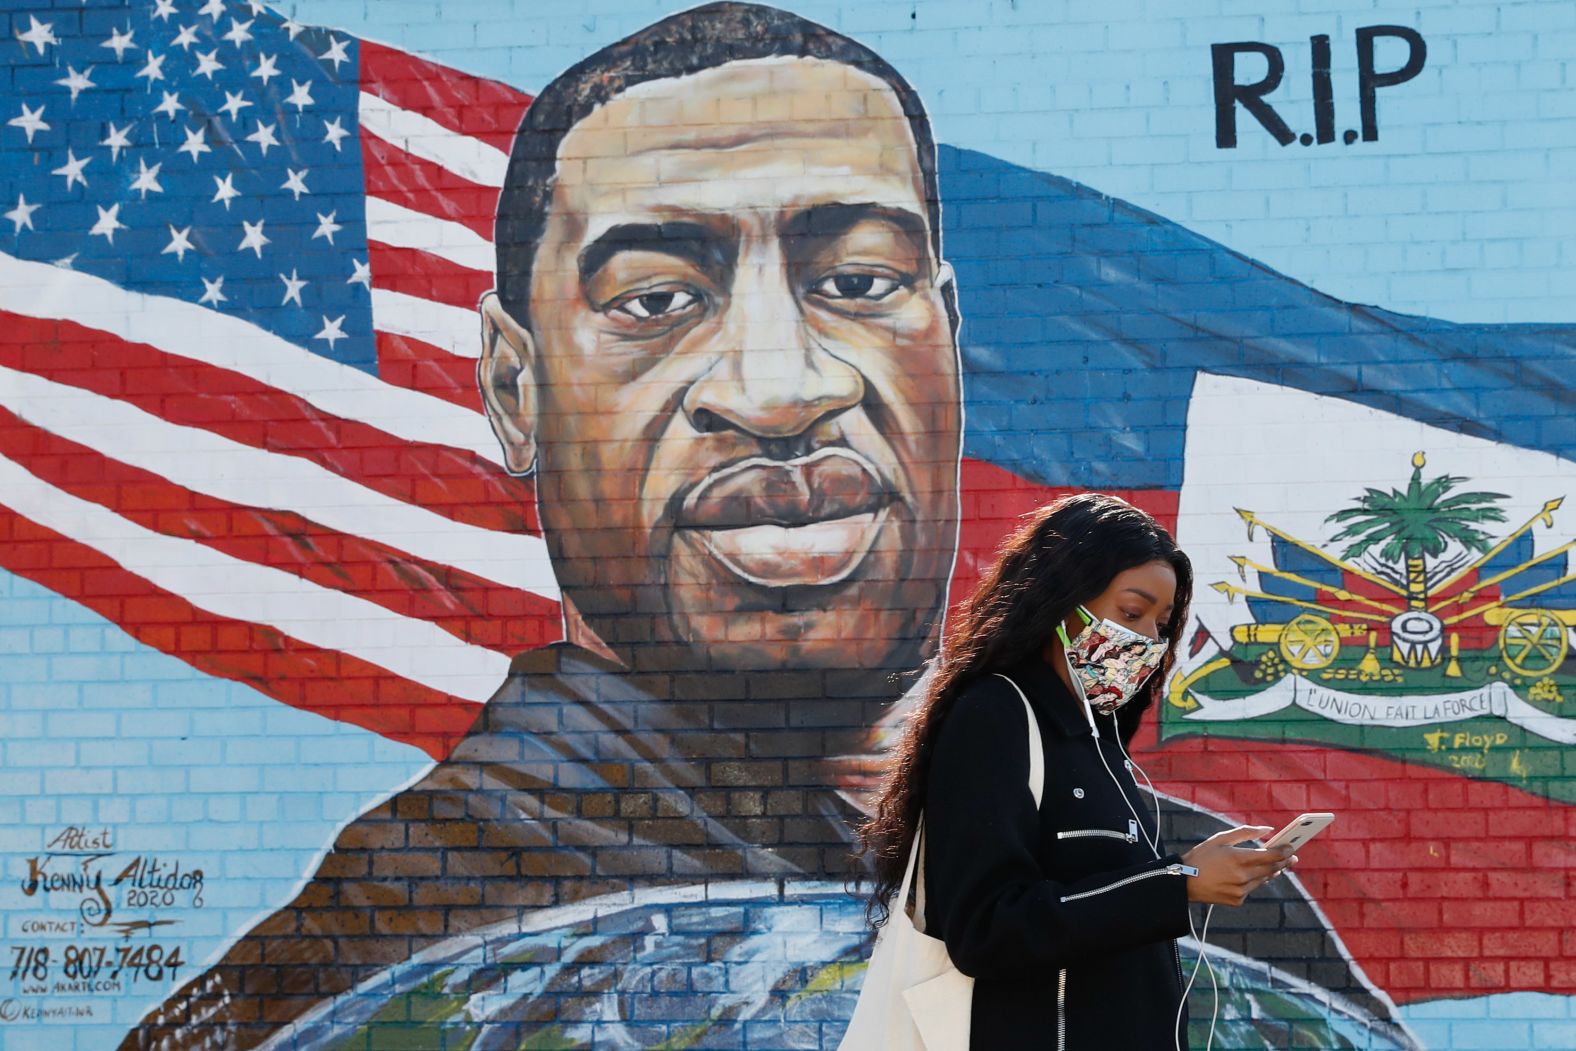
1064	912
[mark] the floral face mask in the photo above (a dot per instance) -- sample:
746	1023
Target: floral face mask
1108	662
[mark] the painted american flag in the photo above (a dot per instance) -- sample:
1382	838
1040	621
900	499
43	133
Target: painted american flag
239	265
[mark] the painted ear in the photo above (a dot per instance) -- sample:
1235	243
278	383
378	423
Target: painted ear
506	376
944	275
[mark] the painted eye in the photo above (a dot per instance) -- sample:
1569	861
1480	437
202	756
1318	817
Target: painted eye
646	305
855	285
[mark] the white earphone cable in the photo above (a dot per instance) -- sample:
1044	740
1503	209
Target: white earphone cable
1154	847
1152	793
1203	958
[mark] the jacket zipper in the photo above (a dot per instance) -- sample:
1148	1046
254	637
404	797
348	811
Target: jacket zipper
1131	835
1169	870
1061	1010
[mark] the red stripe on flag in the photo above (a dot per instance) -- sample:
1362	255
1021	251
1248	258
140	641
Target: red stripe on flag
332	684
478	611
407	362
427	276
453	483
1411	848
994	502
482	109
422	186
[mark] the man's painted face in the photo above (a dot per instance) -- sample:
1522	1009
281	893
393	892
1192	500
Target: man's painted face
747	393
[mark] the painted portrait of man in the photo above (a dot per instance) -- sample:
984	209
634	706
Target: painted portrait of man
724	343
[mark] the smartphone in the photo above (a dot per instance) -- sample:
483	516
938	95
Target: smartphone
1301	829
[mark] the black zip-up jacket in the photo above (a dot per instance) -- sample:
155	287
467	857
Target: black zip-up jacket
1064	917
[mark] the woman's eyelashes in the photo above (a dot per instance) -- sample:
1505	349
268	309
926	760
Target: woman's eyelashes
1143	623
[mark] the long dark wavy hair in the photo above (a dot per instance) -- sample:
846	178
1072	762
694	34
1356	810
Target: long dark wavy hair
1065	554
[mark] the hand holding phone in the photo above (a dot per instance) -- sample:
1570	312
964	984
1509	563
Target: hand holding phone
1227	867
1299	830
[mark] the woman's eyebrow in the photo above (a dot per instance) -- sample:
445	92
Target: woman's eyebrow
1141	592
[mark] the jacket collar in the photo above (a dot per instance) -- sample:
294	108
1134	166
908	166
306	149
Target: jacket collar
1056	705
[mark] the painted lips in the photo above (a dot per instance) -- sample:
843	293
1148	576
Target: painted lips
787	523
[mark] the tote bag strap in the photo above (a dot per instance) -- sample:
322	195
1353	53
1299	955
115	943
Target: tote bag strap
1036	788
1036	746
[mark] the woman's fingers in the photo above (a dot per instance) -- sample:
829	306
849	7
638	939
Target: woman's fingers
1241	834
1229	872
1260	862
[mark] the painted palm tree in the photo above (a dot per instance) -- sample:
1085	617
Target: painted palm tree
1417	525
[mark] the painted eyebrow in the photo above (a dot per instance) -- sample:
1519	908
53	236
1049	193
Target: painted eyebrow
693	242
837	218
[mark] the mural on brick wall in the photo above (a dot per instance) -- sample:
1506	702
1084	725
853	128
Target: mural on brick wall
334	720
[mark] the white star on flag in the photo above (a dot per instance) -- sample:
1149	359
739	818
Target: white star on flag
212	291
72	169
363	274
154	70
208	64
119	44
226	191
30	122
300	95
75	82
169	105
335	53
264	137
194	144
213	9
292	27
333	131
326	227
233	104
22	214
147	178
185	38
254	238
180	243
293	287
332	331
238	34
107	223
295	182
116	140
163	9
266	69
38	34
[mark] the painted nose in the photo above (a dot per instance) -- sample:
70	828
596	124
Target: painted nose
772	378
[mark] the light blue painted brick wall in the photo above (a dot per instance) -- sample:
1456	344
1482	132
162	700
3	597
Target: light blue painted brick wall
208	773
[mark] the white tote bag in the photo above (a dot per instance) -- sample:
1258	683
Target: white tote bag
913	998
